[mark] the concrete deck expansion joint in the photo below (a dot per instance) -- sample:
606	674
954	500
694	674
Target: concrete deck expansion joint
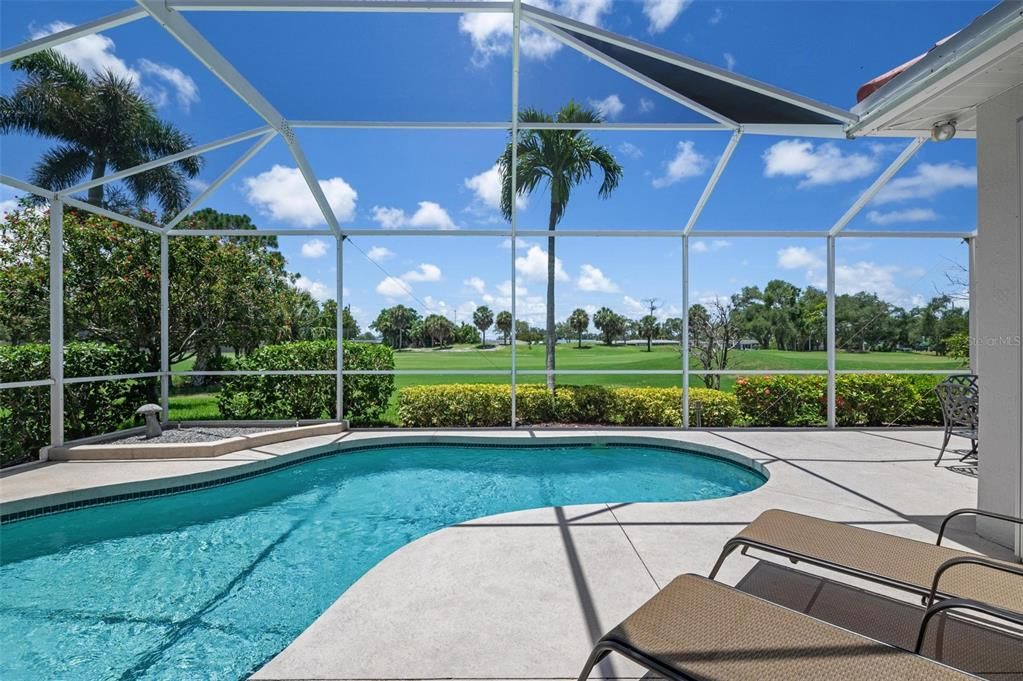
524	595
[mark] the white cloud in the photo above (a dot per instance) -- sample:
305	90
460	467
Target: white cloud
629	149
687	163
197	185
635	307
425	272
393	287
592	279
316	289
716	16
729	61
314	248
609	108
429	215
533	266
282	193
798	257
929	180
186	92
379	253
662	13
520	243
820	165
704	246
487	188
476	284
96	54
646	105
490	33
897	216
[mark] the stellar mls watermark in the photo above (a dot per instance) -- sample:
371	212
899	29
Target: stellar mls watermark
993	341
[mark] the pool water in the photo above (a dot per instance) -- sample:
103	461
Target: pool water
211	584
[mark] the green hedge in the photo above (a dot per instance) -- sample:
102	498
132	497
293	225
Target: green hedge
89	408
861	400
484	405
308	397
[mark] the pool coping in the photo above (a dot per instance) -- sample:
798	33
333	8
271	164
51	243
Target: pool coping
58	502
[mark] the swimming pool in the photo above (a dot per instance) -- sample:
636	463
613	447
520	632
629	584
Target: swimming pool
211	584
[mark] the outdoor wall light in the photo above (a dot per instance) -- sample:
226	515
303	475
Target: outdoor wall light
943	132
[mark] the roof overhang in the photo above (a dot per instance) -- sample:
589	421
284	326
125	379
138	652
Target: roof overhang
948	83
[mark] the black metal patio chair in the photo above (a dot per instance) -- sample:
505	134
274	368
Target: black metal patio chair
959	397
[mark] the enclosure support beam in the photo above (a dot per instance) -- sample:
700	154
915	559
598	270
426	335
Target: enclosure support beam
56	324
516	28
165	327
224	177
73	33
878	184
830	321
339	330
109	214
971	261
685	331
186	34
712	182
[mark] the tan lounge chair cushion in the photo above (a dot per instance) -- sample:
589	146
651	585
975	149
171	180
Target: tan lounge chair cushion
908	561
712	632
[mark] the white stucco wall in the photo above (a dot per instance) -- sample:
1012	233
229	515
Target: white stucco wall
998	309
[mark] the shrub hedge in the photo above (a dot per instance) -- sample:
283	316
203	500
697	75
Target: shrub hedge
308	397
89	408
484	405
861	400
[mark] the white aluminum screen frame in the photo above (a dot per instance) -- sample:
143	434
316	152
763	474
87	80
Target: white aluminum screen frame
168	14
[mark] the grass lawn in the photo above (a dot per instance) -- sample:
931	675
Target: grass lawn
202	406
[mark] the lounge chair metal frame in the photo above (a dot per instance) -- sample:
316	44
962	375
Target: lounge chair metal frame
931	593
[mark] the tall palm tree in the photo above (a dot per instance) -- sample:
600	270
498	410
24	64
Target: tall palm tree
102	122
564	159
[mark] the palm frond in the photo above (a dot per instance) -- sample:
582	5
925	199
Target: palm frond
61	167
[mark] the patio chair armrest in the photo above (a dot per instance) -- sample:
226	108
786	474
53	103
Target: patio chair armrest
970	560
974	511
963	604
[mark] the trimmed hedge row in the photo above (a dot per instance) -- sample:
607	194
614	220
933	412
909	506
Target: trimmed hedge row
308	397
89	408
861	400
483	405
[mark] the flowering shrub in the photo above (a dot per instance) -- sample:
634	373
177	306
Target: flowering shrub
475	405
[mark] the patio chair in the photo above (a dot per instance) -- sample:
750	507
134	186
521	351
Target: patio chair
933	571
959	398
697	629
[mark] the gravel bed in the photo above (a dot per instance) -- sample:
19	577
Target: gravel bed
185	435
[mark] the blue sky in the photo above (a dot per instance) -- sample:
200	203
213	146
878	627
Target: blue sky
452	67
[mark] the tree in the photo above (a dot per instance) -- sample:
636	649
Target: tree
439	328
394	324
483	318
466	334
712	333
326	322
102	123
504	324
562	159
648	328
610	324
579	321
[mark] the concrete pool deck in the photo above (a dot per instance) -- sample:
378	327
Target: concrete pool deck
523	595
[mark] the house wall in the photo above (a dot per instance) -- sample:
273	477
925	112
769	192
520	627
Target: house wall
998	308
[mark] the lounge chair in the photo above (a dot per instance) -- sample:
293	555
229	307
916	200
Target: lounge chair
696	629
929	570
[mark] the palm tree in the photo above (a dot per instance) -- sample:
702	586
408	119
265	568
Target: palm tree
483	318
102	122
579	321
564	159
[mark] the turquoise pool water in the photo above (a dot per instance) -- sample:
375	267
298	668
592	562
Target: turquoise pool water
211	584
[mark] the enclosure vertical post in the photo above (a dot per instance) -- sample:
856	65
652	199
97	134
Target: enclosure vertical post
56	322
339	357
685	331
971	245
830	321
516	22
164	327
